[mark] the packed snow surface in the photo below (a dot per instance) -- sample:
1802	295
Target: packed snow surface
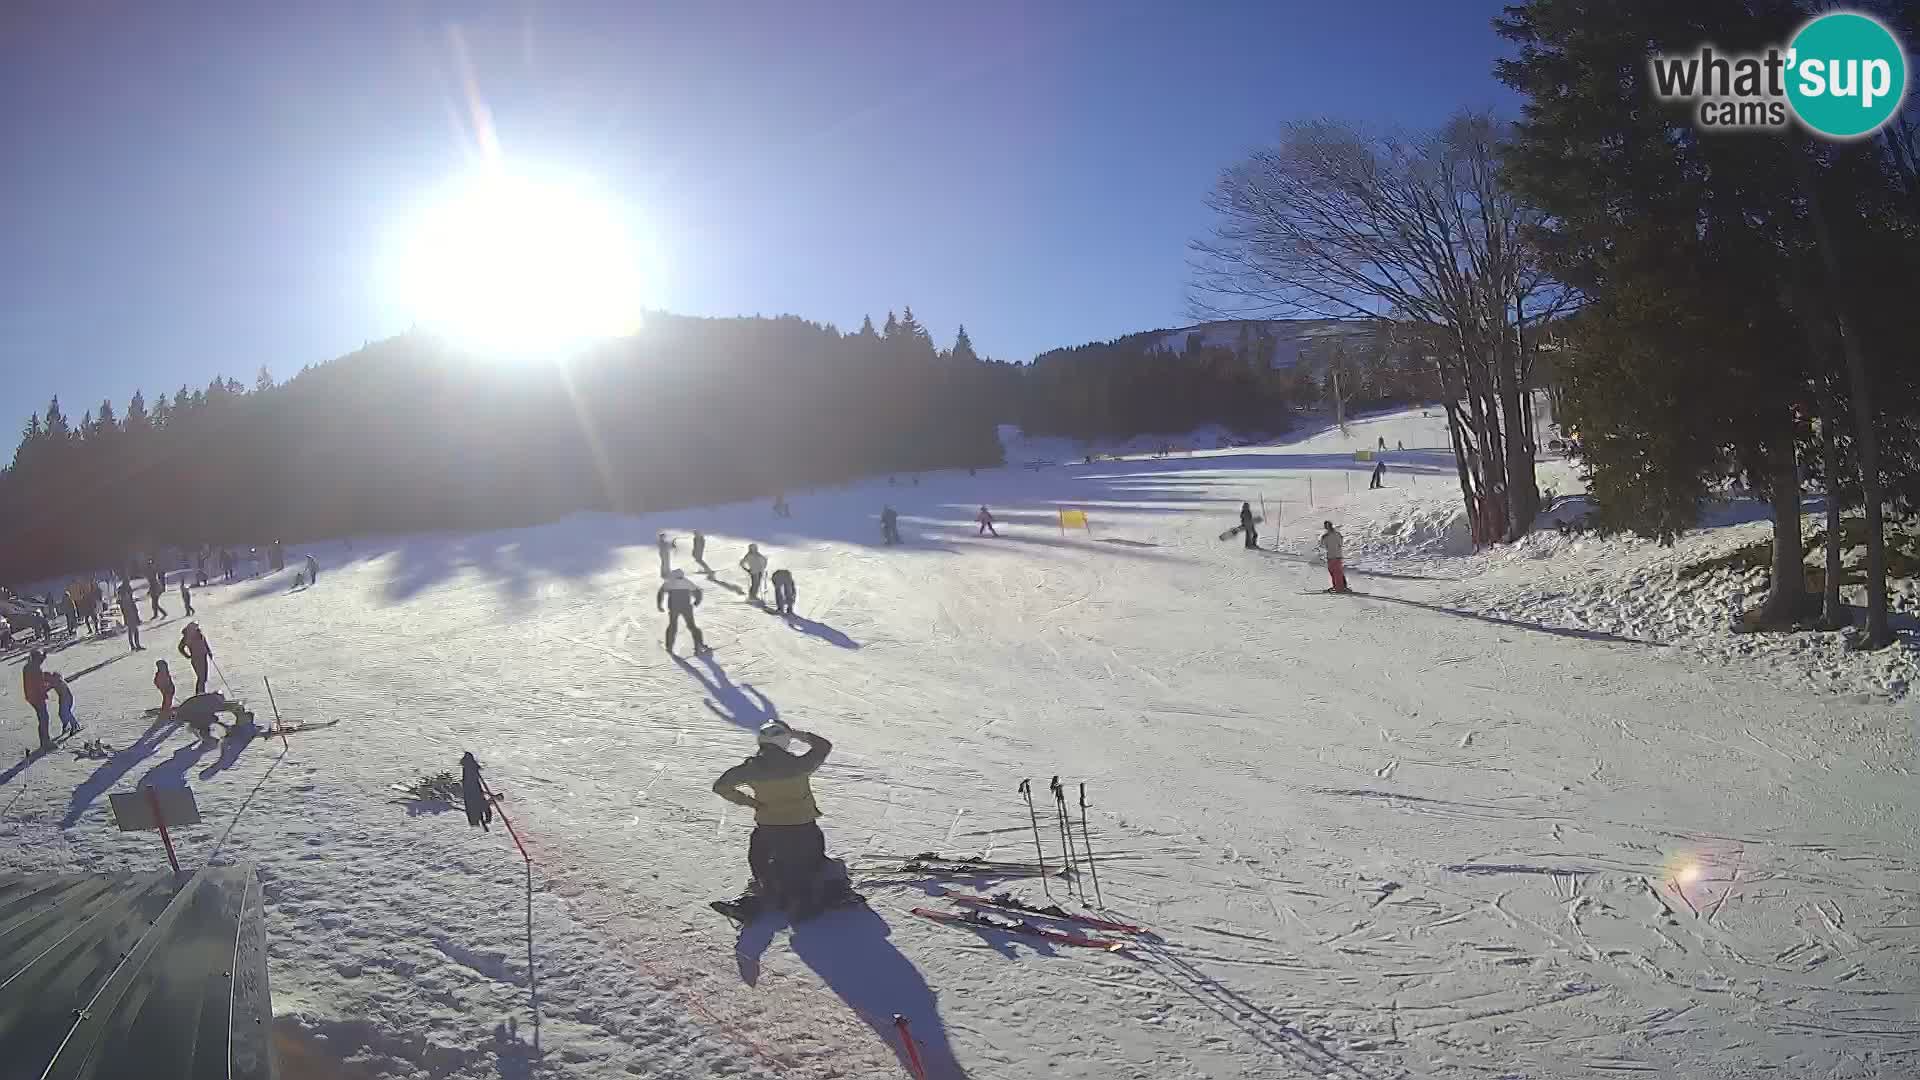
1379	836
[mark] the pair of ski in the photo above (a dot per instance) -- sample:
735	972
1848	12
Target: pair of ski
981	916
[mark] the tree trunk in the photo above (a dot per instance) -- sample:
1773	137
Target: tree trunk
1781	609
1523	495
1879	633
1831	615
1460	464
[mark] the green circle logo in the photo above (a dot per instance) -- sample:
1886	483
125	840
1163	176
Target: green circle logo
1846	75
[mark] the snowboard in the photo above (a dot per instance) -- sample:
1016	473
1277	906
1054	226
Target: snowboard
1231	533
733	910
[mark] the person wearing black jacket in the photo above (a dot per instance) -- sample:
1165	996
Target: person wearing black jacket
678	597
1247	530
783	591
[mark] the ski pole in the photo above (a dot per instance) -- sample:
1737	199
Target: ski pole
222	674
1087	838
1066	845
1026	792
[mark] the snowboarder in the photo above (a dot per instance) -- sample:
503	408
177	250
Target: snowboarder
163	682
186	595
129	614
155	589
787	849
68	725
678	597
1247	530
890	525
35	684
474	795
193	645
1331	543
700	550
985	518
313	569
755	564
666	554
783	591
1379	470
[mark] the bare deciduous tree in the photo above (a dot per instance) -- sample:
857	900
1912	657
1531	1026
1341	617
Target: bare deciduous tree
1334	222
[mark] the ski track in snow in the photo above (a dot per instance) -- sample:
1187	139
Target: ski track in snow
1375	838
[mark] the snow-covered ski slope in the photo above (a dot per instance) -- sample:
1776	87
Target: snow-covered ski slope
1377	836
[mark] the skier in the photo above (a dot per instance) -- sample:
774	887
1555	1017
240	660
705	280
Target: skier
780	507
1247	530
70	611
1331	543
755	564
474	795
186	595
193	645
35	684
678	597
163	682
313	569
666	559
1379	470
890	525
783	591
1383	442
68	725
787	849
129	614
1399	444
985	518
155	589
200	569
700	549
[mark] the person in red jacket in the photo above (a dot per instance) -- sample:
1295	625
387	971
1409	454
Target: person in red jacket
35	685
163	682
193	645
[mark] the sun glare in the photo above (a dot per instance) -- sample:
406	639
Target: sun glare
513	264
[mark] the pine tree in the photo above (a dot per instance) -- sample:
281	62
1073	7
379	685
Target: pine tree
892	330
137	421
162	412
263	380
963	348
58	433
107	421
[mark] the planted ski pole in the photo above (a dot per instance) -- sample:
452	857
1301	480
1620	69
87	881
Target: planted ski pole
1087	838
1026	792
1066	841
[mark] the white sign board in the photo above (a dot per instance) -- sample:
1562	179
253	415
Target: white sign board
133	810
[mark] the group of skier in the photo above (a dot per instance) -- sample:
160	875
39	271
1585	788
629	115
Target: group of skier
36	682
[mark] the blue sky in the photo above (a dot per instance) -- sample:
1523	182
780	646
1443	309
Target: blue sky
198	188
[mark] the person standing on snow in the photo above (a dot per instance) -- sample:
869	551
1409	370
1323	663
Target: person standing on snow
1335	547
163	682
473	794
1379	470
780	507
666	554
985	518
1247	530
34	684
787	849
129	614
755	564
313	569
156	588
186	595
783	591
193	645
68	725
700	549
890	525
678	597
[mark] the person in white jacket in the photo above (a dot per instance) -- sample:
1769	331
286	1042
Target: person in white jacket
1334	546
755	564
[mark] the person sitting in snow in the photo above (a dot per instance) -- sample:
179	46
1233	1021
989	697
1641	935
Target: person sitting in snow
787	851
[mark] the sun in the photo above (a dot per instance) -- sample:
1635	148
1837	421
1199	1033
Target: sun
513	263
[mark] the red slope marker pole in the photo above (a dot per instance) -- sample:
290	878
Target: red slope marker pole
153	802
906	1043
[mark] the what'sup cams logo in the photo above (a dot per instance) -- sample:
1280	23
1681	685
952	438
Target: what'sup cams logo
1842	76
